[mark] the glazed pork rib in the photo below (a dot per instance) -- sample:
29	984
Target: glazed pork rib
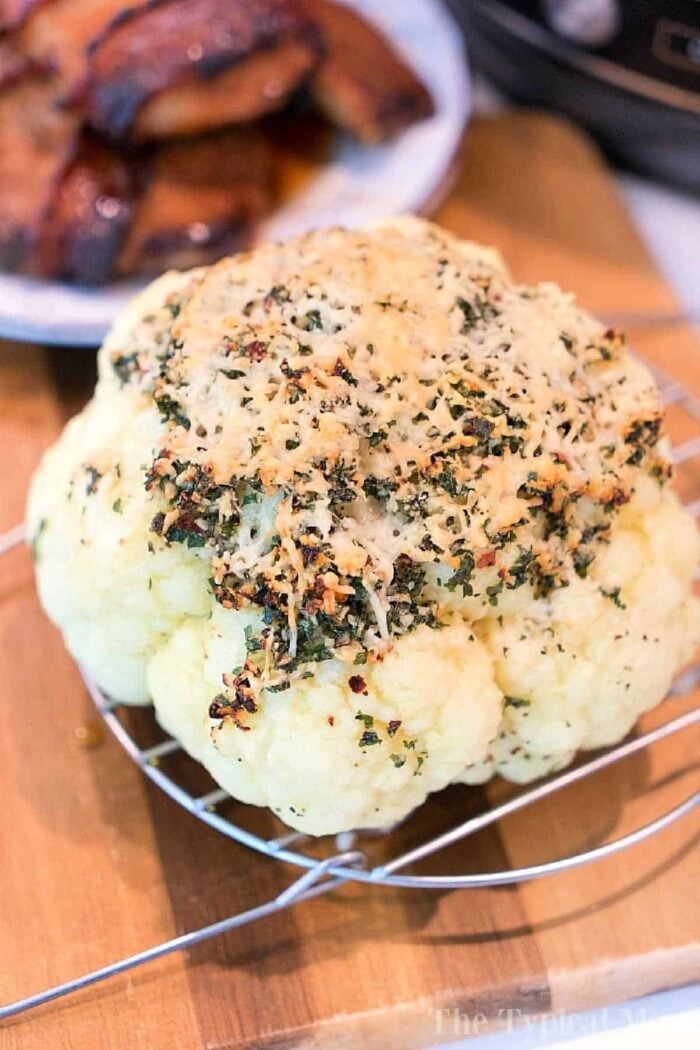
203	197
114	213
362	83
175	67
35	140
13	12
13	66
80	235
55	33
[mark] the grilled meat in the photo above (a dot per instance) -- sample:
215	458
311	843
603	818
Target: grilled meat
35	139
362	83
175	67
91	210
203	197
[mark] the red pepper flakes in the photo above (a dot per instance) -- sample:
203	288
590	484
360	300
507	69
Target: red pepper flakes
256	350
489	558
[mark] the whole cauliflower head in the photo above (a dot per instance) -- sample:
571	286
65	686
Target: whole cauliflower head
362	517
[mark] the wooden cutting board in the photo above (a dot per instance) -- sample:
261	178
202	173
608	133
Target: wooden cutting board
95	863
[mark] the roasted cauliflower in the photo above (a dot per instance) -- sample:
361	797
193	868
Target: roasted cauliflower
362	517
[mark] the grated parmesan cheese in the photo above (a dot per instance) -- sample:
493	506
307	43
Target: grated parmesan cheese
402	413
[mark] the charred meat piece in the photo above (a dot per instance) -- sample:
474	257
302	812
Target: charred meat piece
35	139
204	196
242	93
91	210
13	66
362	83
55	33
175	67
13	12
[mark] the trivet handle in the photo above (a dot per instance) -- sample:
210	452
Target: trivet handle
311	884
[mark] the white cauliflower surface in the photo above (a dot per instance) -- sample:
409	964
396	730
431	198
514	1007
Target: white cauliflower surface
361	517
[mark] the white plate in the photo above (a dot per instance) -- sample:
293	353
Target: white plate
359	184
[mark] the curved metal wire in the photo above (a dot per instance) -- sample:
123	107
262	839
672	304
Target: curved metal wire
322	876
204	809
309	885
13	538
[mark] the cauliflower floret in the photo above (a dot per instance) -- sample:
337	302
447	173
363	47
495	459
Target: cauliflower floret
316	747
362	517
578	670
114	603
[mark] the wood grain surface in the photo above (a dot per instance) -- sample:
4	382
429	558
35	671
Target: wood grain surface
96	863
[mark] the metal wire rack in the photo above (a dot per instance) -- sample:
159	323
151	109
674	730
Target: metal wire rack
346	856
